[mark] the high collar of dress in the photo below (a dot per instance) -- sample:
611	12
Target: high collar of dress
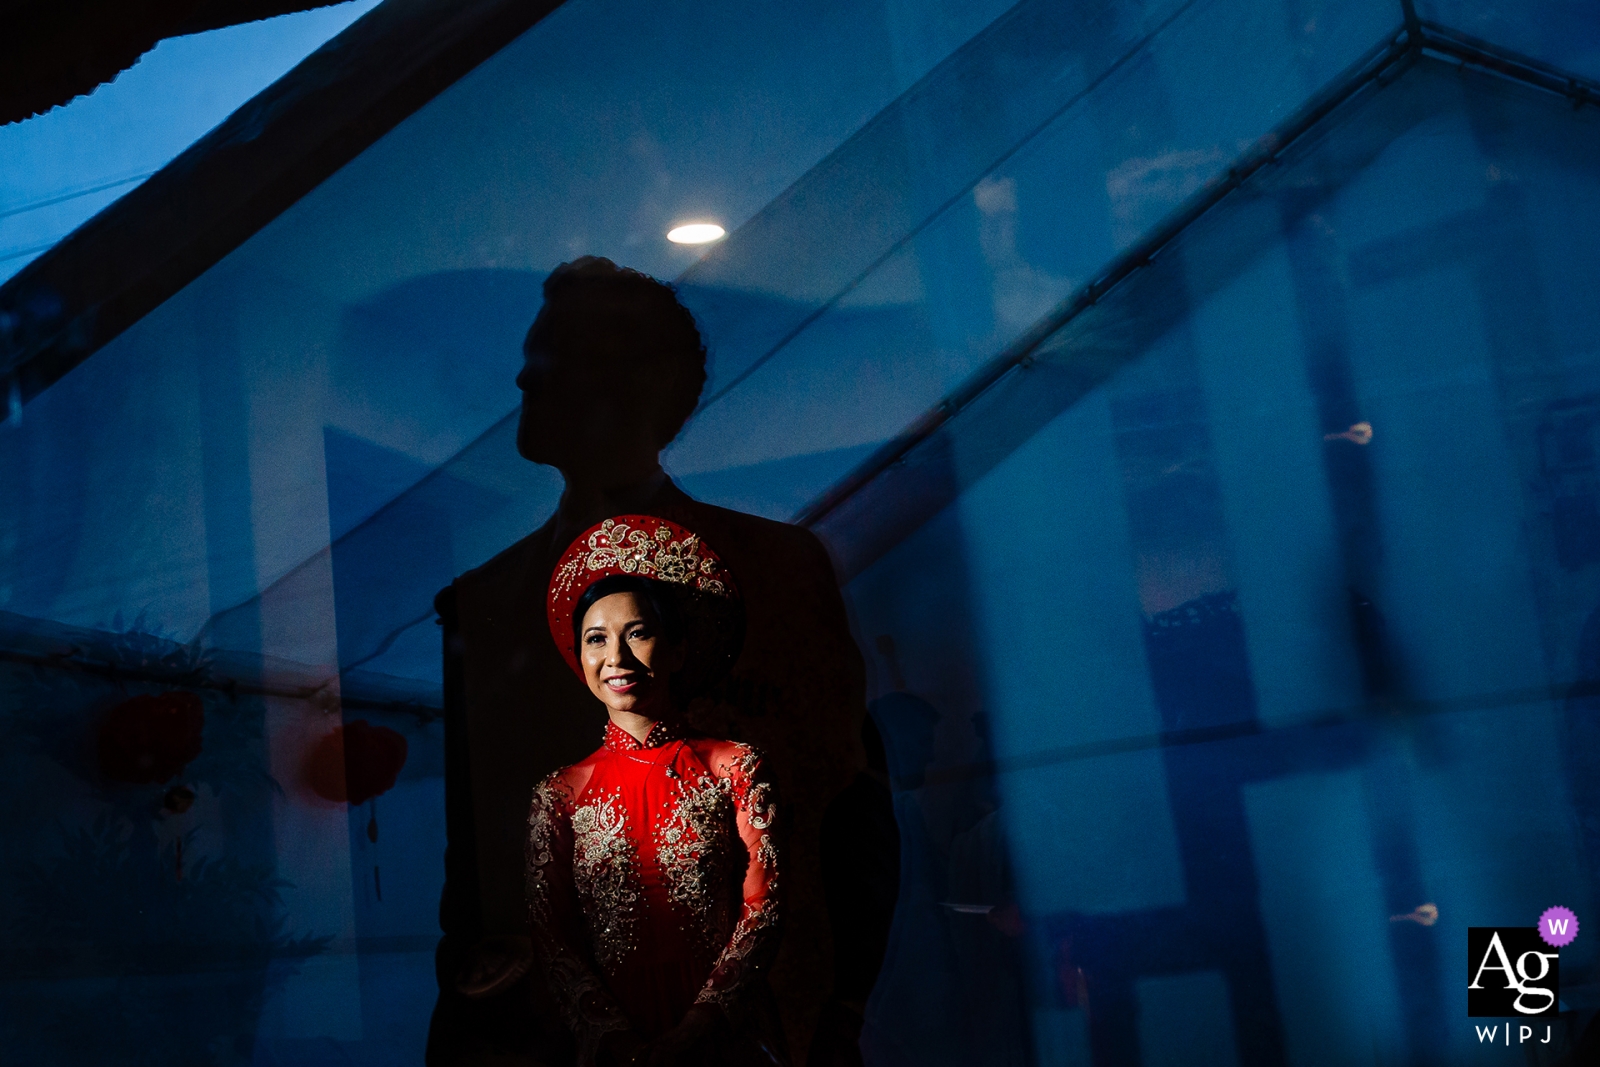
662	733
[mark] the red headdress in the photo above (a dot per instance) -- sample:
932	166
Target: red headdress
686	567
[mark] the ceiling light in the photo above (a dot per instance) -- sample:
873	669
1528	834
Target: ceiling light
695	233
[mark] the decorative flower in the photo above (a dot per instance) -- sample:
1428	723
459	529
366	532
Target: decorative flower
355	762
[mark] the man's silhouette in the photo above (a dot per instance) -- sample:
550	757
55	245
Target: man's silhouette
614	367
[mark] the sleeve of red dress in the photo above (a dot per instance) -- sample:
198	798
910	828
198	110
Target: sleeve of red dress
556	922
755	937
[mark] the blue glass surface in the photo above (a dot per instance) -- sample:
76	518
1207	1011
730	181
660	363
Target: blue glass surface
1257	611
1269	685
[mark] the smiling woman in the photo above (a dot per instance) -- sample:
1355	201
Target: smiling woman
652	865
630	643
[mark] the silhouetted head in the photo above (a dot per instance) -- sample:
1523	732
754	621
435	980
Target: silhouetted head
613	367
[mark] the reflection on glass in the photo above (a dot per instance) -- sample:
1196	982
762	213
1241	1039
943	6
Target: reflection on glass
1228	658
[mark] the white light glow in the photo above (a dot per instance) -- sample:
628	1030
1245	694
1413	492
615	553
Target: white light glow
695	233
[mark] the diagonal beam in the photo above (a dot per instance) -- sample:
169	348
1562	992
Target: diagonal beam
910	478
120	265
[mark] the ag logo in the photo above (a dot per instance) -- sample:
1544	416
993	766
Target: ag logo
1511	972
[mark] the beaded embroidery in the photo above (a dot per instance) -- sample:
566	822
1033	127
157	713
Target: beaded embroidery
695	849
605	873
752	941
662	554
710	840
583	999
540	829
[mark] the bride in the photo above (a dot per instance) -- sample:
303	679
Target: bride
652	865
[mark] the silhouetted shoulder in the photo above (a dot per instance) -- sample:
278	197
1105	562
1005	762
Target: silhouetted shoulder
444	604
512	563
756	525
795	544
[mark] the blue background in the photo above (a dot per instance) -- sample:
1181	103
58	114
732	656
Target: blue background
1221	694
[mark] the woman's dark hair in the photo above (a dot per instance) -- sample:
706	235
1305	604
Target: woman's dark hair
662	599
635	326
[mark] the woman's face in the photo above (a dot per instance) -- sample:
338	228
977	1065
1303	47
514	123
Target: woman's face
626	659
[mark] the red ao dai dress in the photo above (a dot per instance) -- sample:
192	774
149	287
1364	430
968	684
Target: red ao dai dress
651	892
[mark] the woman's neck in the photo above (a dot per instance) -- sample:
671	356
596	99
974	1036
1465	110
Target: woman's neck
634	724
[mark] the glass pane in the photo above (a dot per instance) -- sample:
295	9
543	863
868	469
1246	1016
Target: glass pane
1275	641
1232	653
1562	33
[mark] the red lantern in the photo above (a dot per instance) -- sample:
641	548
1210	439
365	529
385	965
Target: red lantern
356	762
151	737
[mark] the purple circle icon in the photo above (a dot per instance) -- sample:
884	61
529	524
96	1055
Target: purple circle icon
1558	926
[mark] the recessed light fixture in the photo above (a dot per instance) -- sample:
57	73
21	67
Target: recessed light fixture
695	233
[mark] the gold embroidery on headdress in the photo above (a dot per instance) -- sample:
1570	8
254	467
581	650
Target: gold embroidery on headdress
616	545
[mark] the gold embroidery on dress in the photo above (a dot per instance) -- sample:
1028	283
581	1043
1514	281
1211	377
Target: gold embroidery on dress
702	864
605	874
695	847
581	996
539	831
751	942
758	798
